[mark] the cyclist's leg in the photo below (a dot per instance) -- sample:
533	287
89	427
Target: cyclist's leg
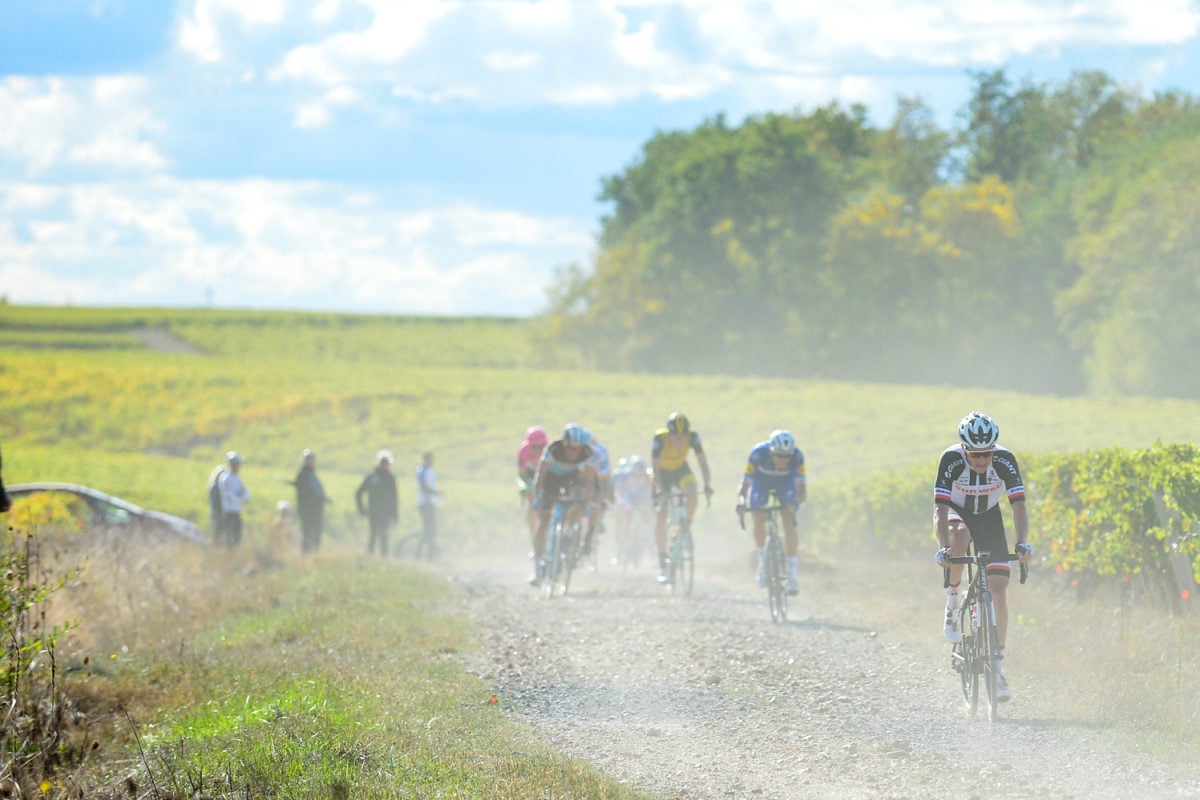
758	497
543	507
759	529
960	540
791	544
687	485
660	523
666	481
998	584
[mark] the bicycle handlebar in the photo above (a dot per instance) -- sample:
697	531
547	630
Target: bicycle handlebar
982	560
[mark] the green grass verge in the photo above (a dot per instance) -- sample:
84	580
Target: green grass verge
348	685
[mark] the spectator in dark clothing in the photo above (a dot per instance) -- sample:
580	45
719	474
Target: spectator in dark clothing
5	503
382	504
310	502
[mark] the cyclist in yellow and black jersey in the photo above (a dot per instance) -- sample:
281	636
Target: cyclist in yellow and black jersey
669	466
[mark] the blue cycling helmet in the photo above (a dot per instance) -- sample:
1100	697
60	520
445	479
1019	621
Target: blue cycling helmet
978	431
575	434
782	443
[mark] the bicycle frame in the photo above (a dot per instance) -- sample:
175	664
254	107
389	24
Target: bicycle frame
562	547
681	563
977	656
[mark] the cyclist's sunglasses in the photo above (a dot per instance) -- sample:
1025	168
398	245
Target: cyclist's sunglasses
980	455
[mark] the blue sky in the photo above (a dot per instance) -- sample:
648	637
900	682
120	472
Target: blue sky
442	156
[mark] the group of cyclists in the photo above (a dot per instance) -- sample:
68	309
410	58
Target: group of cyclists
576	466
973	475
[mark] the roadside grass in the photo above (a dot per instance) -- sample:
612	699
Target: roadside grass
205	675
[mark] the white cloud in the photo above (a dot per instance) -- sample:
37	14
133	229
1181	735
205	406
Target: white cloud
510	61
97	122
267	243
516	53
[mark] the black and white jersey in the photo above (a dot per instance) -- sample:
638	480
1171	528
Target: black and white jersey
971	493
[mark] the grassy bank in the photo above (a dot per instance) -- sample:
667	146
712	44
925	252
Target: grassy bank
333	677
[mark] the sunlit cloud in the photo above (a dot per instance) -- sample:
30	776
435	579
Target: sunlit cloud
97	122
268	243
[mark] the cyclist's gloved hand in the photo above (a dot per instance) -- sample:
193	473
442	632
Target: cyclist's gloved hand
941	556
1026	550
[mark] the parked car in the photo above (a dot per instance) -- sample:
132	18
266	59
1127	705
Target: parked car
102	509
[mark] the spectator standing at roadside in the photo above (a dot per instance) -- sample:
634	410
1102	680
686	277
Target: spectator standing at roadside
234	496
427	495
377	500
310	502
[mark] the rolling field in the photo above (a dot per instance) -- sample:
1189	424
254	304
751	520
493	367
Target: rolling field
367	695
87	401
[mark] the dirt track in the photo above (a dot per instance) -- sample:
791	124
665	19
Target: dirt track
704	697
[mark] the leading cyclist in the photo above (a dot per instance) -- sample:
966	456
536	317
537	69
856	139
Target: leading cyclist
669	466
775	465
972	476
565	466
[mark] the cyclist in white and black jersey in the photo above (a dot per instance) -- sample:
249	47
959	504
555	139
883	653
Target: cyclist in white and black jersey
973	476
566	465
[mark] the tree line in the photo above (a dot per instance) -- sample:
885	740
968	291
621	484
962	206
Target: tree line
1048	243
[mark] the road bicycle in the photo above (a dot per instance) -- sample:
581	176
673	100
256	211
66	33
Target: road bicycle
635	534
681	548
562	546
774	562
976	656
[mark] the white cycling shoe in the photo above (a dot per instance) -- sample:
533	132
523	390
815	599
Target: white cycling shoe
1003	692
950	629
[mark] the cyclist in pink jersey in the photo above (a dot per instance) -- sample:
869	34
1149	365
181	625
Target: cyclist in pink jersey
528	455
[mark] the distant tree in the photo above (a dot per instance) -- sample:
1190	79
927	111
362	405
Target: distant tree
1134	311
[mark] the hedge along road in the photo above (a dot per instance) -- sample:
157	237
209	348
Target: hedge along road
703	696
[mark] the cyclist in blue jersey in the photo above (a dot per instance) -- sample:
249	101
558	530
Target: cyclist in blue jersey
775	465
973	475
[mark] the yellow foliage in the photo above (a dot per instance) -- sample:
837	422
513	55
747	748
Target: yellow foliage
47	511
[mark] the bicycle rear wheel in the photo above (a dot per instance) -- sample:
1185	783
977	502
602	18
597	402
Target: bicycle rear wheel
776	569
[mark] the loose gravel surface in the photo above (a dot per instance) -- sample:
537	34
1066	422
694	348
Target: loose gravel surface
703	696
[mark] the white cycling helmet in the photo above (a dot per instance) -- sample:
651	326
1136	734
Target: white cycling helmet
782	443
978	431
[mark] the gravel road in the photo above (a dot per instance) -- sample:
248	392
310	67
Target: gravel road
704	697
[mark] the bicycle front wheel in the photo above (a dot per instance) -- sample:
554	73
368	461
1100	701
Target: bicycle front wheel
684	569
570	555
552	560
968	659
989	655
776	570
